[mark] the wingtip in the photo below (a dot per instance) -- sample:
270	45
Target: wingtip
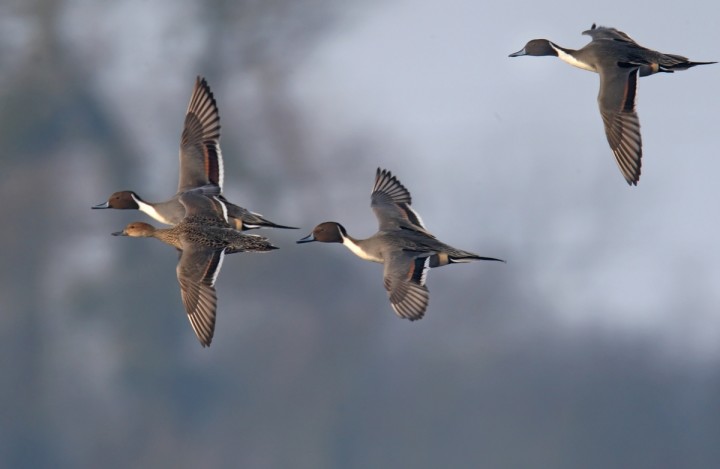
588	31
407	313
381	172
632	178
205	337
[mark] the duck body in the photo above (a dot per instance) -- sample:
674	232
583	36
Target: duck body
200	231
402	244
172	212
619	61
201	167
414	244
203	237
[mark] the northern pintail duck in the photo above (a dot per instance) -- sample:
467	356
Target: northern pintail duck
203	237
618	59
402	244
201	165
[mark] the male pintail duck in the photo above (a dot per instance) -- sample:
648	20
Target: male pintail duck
402	244
619	60
201	166
203	238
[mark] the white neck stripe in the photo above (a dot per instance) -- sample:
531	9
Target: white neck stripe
150	211
569	59
358	251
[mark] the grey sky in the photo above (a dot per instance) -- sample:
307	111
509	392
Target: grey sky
597	341
500	145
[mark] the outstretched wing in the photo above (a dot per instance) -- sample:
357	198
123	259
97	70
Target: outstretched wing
201	160
198	204
196	272
622	126
602	32
404	280
390	201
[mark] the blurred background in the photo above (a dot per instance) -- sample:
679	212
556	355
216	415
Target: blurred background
596	345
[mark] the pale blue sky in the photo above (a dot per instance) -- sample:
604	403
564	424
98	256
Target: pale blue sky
503	156
513	151
596	343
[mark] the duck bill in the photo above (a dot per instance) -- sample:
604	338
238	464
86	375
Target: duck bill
102	205
307	239
119	233
519	53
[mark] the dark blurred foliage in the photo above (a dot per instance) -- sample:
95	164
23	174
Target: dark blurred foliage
309	368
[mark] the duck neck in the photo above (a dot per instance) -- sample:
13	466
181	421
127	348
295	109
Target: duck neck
168	236
357	248
149	209
570	56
